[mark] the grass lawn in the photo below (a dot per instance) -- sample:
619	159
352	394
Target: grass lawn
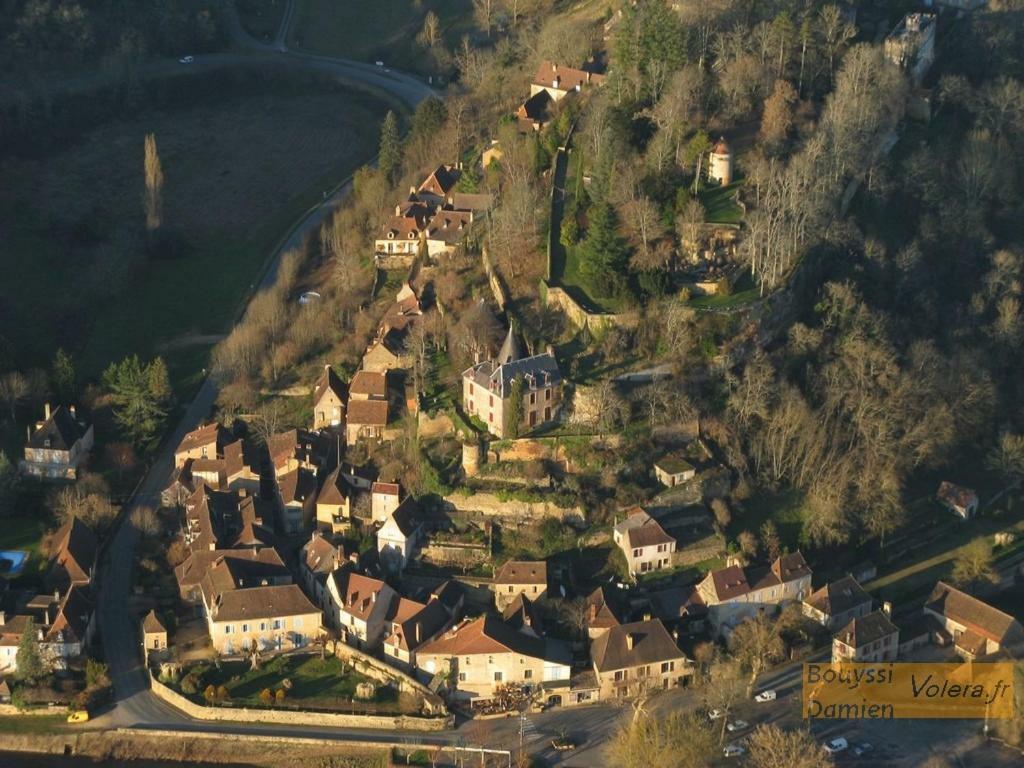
719	206
384	30
316	683
261	18
34	724
238	169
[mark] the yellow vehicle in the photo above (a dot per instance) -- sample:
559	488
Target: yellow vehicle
81	716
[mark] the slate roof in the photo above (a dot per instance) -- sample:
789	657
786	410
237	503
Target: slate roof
538	371
972	613
263	603
652	644
522	572
838	597
62	430
404	516
864	630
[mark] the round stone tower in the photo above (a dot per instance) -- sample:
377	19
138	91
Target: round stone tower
720	162
471	457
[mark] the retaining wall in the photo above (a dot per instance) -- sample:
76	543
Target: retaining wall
490	505
596	322
290	717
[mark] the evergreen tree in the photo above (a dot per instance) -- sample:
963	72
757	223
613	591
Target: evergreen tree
62	377
8	486
390	154
140	393
514	414
31	668
605	256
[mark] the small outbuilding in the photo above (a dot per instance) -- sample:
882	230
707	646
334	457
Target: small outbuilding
959	500
154	633
673	470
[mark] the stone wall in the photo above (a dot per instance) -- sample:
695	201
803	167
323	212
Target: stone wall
291	717
489	505
455	554
596	322
9	709
385	673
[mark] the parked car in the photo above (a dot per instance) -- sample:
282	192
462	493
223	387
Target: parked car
186	59
737	725
767	695
715	714
836	745
563	744
862	749
80	716
379	63
309	297
734	750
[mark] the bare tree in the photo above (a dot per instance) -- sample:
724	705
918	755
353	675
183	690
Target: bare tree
430	35
154	176
773	747
13	390
755	644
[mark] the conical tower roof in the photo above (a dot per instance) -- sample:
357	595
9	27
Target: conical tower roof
511	348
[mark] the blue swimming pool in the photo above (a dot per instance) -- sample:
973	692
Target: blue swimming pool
12	561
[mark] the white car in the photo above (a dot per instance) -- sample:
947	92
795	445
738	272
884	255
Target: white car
836	745
379	63
715	714
737	725
309	297
764	696
734	750
186	59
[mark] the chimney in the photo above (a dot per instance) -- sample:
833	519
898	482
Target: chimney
419	631
3	618
398	212
46	410
373	597
554	67
887	609
630	641
647	615
72	409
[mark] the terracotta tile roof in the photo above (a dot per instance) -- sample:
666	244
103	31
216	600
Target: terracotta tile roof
642	530
368	413
521	614
359	592
369	384
864	630
266	561
600	614
522	572
839	596
973	614
651	644
208	434
335	489
441	181
76	546
677	603
413	620
465	201
568	78
387	489
60	432
297	486
487	634
449	226
536	108
73	616
264	603
733	581
152	624
320	556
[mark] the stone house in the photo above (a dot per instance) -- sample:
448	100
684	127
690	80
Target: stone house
600	615
368	409
297	495
837	603
413	625
447	232
630	659
481	656
205	442
520	577
248	565
559	81
359	607
402	233
384	499
911	45
397	537
64	624
318	559
278	618
154	634
75	547
673	470
58	445
490	390
329	395
334	503
871	638
735	593
644	542
975	627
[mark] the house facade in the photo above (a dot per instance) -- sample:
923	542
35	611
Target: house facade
278	618
397	537
58	445
673	470
630	659
558	80
359	607
328	401
872	638
520	577
837	603
736	593
975	627
644	542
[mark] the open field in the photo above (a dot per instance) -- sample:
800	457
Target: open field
238	169
382	30
719	206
